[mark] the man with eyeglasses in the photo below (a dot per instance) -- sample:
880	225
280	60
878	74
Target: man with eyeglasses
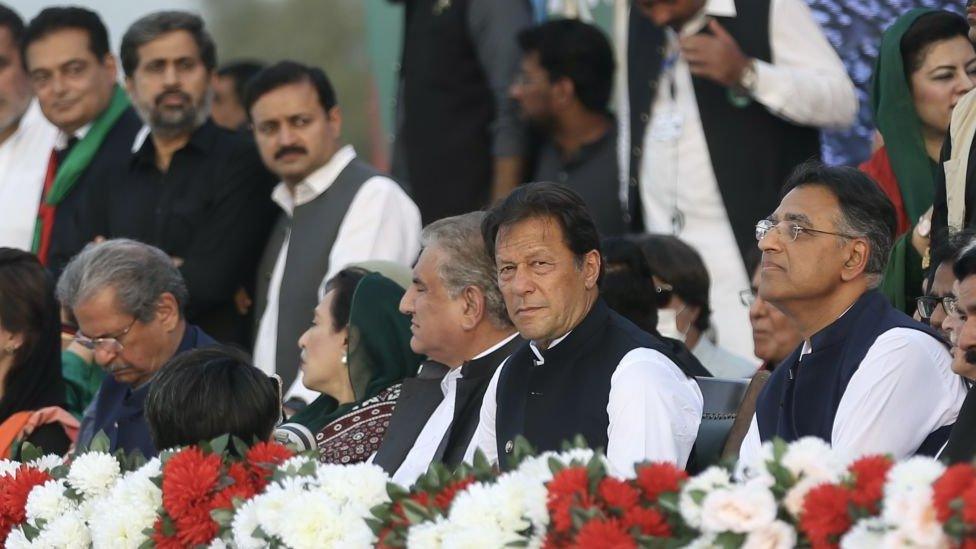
128	298
939	300
961	446
867	378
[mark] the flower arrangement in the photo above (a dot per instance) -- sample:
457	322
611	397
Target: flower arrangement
226	494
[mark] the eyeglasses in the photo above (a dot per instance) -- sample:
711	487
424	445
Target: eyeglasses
109	344
747	297
927	303
791	231
663	294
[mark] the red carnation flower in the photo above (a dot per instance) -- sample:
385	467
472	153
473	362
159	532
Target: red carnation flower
969	506
618	494
444	499
195	527
824	517
268	453
161	540
869	478
604	534
651	522
14	489
568	482
655	479
951	485
188	478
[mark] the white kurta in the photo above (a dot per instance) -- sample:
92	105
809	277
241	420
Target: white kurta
806	83
23	165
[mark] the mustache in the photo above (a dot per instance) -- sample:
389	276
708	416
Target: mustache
970	356
182	95
288	150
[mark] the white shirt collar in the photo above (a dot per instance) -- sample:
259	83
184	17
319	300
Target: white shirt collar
315	184
449	381
495	347
807	347
141	138
62	141
713	8
539	360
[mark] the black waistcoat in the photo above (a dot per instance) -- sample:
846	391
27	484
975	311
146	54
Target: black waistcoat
567	395
801	399
752	150
447	111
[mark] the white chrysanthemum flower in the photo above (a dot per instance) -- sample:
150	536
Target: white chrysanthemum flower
496	513
294	463
428	535
914	519
217	543
119	519
48	501
93	474
67	531
704	541
706	481
865	534
811	457
48	462
310	521
775	535
914	474
8	467
357	488
244	525
740	509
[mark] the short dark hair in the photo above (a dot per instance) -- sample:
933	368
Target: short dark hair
680	265
569	48
10	20
344	283
865	210
51	20
284	73
548	201
152	26
628	284
926	30
241	72
947	248
202	394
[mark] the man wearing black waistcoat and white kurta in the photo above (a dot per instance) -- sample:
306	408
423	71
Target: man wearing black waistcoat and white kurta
725	98
458	319
585	370
337	210
867	378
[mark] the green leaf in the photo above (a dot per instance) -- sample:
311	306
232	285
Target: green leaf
219	444
149	543
31	531
415	512
30	453
222	517
100	443
730	540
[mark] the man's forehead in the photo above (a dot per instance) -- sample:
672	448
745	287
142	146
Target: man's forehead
60	46
287	100
532	235
807	203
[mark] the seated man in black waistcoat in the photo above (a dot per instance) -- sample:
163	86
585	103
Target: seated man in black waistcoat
961	447
585	370
867	378
458	319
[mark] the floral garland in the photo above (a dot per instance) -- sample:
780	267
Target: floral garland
225	494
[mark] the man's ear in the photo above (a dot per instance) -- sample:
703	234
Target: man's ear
168	311
591	268
474	307
857	260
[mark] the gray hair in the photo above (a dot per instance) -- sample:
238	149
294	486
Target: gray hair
467	262
139	274
152	26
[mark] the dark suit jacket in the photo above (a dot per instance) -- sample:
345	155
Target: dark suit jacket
420	396
961	447
73	226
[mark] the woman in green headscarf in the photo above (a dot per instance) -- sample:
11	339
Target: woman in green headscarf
926	63
356	353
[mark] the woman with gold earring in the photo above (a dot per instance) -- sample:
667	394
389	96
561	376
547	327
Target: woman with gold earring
356	353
